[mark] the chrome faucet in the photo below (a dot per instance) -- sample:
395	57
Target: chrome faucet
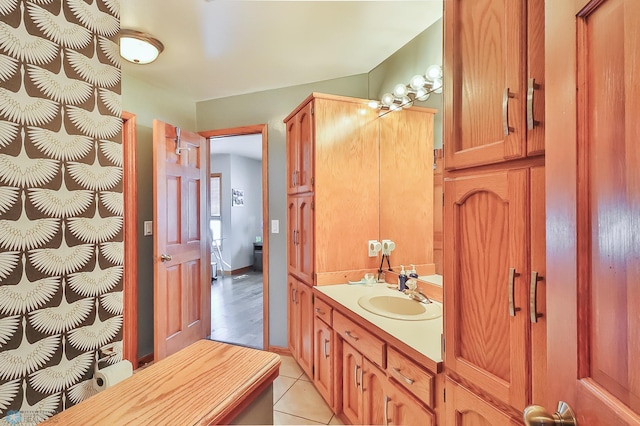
414	293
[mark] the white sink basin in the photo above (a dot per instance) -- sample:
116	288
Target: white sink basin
399	307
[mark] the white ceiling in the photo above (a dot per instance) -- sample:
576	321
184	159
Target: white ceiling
223	48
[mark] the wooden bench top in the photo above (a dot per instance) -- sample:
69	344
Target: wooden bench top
206	383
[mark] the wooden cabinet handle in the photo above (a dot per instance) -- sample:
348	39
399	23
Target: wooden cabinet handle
386	410
505	111
324	347
405	378
353	336
512	277
533	297
531	122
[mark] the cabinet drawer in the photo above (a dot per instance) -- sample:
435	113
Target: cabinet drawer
417	380
322	310
366	343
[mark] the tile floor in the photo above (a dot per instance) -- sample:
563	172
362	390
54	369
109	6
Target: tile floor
296	401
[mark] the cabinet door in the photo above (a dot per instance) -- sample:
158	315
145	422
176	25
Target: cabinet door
404	409
305	177
300	151
352	384
293	325
376	390
305	319
463	408
485	84
300	243
323	360
487	246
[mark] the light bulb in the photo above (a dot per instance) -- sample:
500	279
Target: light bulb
437	85
374	104
400	90
387	99
434	72
422	95
393	107
406	102
417	82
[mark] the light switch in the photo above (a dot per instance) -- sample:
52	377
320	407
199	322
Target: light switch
275	226
148	227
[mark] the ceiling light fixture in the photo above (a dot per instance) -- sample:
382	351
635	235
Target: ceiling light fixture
139	47
419	88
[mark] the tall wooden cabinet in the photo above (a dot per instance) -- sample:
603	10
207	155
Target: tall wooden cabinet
494	216
332	183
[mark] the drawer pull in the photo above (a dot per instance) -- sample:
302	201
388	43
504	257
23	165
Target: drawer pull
353	336
533	297
405	378
320	311
505	111
355	375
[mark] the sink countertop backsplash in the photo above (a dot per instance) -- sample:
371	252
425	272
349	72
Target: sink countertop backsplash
423	336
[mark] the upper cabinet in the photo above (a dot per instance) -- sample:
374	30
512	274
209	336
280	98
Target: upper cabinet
300	176
494	71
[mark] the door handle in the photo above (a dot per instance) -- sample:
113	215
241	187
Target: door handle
512	276
165	257
386	410
533	297
326	353
535	415
355	375
531	122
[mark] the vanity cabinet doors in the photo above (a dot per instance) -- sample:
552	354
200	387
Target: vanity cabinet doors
352	374
404	409
300	173
300	248
323	356
464	408
300	324
494	71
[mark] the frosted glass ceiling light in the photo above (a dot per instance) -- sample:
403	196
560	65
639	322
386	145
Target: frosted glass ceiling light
417	82
400	90
387	99
139	47
434	72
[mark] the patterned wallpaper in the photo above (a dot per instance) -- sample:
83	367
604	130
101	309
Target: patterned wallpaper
61	202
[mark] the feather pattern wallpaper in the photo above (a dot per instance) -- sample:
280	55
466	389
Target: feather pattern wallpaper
61	202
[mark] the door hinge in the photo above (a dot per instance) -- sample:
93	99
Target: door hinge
313	205
312	181
313	370
313	298
444	395
442	342
443	199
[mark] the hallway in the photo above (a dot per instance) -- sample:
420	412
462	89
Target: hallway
236	309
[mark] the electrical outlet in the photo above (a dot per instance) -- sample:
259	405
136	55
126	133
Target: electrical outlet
374	247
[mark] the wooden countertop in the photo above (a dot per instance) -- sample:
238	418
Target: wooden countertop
206	383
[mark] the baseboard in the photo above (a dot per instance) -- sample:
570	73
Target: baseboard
239	270
142	361
280	350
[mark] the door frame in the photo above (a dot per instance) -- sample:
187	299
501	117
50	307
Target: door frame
130	276
250	130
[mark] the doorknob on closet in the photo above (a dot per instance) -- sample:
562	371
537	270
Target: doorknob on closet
165	257
535	415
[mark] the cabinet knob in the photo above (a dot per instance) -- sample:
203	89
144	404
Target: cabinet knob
535	415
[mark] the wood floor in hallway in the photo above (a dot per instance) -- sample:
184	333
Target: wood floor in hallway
236	309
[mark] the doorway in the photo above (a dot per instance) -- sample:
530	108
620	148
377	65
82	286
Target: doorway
239	206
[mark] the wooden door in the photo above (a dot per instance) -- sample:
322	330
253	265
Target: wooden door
464	408
484	87
182	302
305	239
293	315
323	360
487	344
593	209
292	236
293	141
352	384
305	343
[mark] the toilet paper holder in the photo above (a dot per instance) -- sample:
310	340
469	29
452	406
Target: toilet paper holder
103	354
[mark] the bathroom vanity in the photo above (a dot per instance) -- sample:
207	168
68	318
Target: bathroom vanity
372	368
206	383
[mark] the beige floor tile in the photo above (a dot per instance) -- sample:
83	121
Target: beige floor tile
287	419
305	378
289	367
303	400
335	421
280	385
